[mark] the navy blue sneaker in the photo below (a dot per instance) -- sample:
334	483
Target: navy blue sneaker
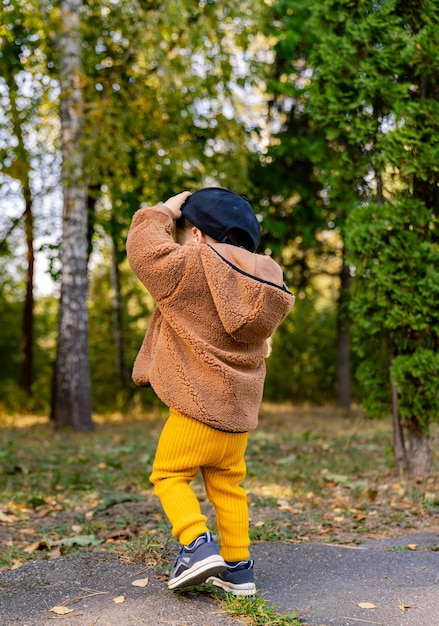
238	578
196	563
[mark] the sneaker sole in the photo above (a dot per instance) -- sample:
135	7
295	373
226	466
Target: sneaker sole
199	572
243	589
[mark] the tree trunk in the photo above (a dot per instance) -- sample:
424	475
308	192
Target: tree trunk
419	454
399	451
27	364
71	404
117	317
343	340
21	172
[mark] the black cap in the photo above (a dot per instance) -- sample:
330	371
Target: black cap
216	211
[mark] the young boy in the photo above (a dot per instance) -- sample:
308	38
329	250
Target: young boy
204	355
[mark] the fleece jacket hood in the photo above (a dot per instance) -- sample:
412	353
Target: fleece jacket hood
249	307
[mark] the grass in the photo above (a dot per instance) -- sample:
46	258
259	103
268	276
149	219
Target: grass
255	611
314	475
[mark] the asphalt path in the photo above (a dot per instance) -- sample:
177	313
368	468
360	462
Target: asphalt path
387	583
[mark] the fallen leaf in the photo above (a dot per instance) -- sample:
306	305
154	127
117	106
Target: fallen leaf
140	582
412	546
367	605
119	599
55	553
38	545
398	489
7	519
122	534
284	505
61	610
404	607
46	509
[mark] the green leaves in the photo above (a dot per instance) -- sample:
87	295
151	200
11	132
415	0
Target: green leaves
395	306
416	376
373	94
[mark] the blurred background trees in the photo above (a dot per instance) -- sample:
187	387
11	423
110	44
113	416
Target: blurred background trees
324	114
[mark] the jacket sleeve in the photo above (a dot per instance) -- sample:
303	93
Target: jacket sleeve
154	257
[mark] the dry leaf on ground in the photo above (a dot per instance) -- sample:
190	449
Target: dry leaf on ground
7	519
367	605
119	599
46	509
61	610
140	582
38	545
405	607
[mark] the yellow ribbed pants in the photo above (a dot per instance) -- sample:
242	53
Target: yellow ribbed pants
186	447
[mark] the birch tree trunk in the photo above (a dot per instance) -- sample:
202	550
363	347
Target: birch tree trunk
71	403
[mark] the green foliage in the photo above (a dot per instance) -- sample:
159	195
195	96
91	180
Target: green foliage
109	390
416	377
301	367
397	251
11	395
28	121
353	119
372	94
163	111
394	305
285	185
10	341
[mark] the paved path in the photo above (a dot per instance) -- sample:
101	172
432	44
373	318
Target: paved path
324	583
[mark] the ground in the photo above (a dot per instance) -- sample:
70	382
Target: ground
314	475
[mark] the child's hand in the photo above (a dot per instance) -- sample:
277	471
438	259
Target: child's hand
175	202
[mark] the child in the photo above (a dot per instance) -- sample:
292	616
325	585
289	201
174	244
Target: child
204	355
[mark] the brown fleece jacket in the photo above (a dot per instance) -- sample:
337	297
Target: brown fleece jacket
205	348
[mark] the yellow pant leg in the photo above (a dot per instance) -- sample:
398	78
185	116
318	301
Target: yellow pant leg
176	465
231	507
185	447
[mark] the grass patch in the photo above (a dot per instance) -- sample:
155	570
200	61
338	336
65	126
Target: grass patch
255	611
313	475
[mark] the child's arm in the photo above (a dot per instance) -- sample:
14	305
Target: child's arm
153	255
